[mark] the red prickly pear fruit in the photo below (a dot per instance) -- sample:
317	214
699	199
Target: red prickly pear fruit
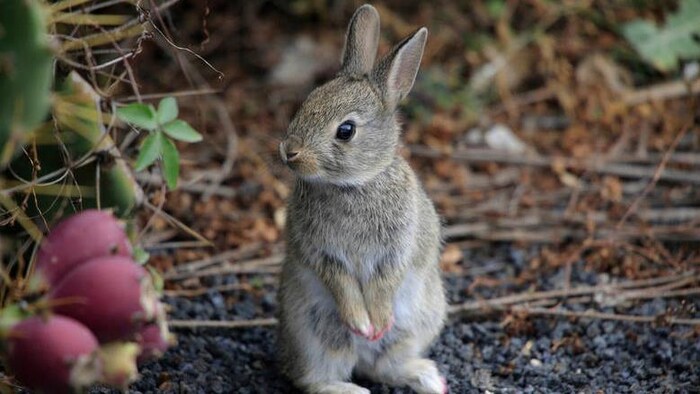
154	340
113	296
53	355
76	240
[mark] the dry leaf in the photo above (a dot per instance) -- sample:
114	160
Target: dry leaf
450	258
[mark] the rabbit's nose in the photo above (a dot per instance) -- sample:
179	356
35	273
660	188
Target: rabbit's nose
291	156
289	149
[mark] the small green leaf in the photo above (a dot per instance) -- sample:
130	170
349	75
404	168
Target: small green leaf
139	115
256	282
496	8
9	316
156	279
663	46
181	130
150	150
140	255
167	110
171	163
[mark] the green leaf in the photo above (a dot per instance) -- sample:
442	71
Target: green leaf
181	130
156	279
139	115
496	8
256	282
171	163
664	46
9	316
167	110
150	150
140	255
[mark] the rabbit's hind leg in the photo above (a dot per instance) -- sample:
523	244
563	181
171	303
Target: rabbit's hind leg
319	351
329	361
401	364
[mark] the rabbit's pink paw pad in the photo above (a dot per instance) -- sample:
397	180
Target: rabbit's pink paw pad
366	332
380	333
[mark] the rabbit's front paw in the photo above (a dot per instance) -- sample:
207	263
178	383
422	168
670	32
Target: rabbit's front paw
382	319
358	322
379	333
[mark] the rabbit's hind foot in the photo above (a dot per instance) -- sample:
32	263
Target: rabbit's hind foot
420	374
336	388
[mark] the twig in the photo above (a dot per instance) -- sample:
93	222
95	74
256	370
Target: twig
267	265
189	185
175	245
500	302
183	93
662	91
241	253
592	165
589	314
222	289
175	222
657	174
545	226
265	322
228	127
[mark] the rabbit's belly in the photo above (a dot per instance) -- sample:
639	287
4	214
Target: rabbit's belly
364	244
409	300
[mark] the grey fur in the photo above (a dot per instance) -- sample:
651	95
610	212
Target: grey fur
361	41
363	239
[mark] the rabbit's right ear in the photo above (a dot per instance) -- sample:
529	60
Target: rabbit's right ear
396	72
361	41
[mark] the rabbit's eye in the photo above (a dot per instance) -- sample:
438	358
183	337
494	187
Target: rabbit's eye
345	131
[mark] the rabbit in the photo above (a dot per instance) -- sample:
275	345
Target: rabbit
360	289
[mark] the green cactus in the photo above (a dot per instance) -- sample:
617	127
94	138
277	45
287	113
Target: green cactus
25	72
82	134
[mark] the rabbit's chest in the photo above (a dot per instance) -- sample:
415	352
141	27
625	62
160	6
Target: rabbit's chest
357	229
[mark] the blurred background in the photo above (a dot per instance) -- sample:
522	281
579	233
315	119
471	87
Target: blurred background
531	122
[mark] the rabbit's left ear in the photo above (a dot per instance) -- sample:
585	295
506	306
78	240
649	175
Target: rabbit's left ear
361	41
395	73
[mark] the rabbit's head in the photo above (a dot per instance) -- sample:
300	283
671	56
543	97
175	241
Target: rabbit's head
346	132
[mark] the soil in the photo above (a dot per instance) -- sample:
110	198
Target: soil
477	355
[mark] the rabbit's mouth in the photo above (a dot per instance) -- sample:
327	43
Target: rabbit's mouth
298	160
304	168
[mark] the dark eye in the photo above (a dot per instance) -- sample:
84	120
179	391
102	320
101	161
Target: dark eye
345	131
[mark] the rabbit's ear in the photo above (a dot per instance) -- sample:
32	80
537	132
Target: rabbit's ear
361	41
397	71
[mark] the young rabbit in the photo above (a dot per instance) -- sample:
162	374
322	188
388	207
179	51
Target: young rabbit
360	289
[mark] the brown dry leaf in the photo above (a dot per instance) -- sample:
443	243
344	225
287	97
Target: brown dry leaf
442	127
444	168
570	180
597	68
577	141
558	165
264	229
450	259
612	189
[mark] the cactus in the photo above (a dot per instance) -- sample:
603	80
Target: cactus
69	162
25	73
81	135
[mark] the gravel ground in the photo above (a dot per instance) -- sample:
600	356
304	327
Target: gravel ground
539	355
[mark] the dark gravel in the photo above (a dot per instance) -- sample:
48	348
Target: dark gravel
535	355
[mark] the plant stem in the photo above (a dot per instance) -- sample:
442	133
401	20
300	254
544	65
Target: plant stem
9	204
103	38
63	4
73	18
